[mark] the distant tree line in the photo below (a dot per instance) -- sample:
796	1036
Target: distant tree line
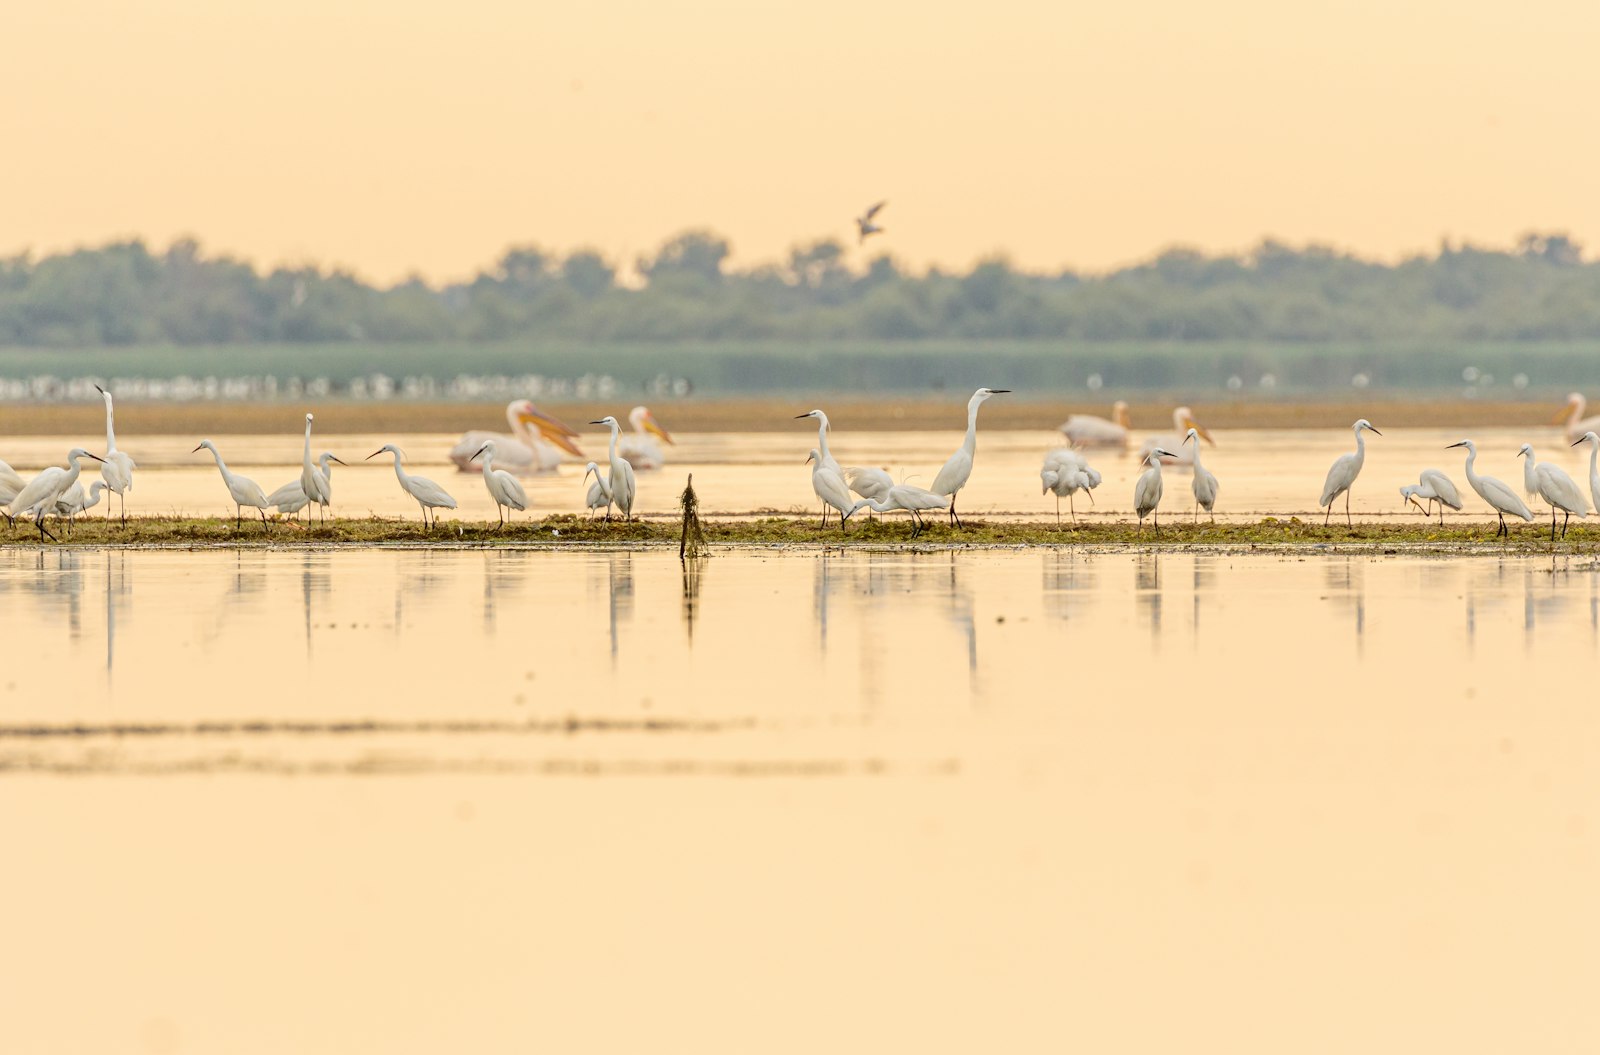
124	293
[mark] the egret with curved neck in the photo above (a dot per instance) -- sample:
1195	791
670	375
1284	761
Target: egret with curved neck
116	469
1344	471
621	479
953	477
1501	498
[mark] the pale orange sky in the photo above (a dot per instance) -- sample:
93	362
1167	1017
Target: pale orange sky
400	136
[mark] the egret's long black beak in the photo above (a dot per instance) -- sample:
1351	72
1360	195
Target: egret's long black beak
96	457
999	391
100	390
1455	445
198	449
341	462
1579	440
480	451
1374	431
597	423
797	417
371	456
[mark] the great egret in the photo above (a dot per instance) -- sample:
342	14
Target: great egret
502	486
908	497
1432	486
534	444
599	494
1344	471
641	449
953	477
1087	430
620	481
825	458
1572	415
291	497
864	224
1147	491
1204	483
428	494
1065	472
42	493
830	487
1501	499
116	468
1557	488
243	490
1182	422
1594	471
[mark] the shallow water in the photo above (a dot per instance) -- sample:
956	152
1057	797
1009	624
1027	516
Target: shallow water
423	801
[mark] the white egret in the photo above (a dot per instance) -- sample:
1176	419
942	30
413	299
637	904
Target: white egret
534	445
1182	421
620	481
42	493
316	483
599	494
1501	498
243	490
10	485
116	469
75	501
1204	483
502	486
1530	479
1344	471
953	477
1432	486
1559	489
1066	472
291	497
864	224
830	487
825	458
428	494
1087	430
1147	491
912	499
641	449
1594	470
1572	415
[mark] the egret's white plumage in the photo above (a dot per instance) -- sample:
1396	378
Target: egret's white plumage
1065	472
291	497
318	487
830	487
1204	483
825	457
534	445
1557	488
641	448
504	488
75	501
864	224
620	481
1344	471
599	494
1501	498
1594	470
40	495
10	485
429	495
1177	454
914	500
243	490
1432	486
1572	415
116	469
1087	430
953	477
1147	490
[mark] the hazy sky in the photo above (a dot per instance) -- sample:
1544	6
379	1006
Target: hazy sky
396	136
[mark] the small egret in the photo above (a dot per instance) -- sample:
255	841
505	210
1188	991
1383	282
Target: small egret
117	468
428	494
1572	416
908	497
1065	472
953	477
1087	430
75	501
1344	471
1432	486
825	458
502	486
868	482
1557	488
830	487
318	487
1594	471
534	445
864	224
1501	498
291	497
599	495
1147	491
1204	483
243	490
620	481
10	485
42	493
641	449
1182	421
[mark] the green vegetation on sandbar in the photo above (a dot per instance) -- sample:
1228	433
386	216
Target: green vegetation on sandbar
556	531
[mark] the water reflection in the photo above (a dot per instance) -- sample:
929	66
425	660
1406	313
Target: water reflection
619	574
693	568
1345	582
1147	593
1068	582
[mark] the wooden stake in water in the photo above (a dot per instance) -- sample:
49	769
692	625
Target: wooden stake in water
692	540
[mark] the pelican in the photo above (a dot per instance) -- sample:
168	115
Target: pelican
1594	471
864	224
243	490
1557	488
502	486
1343	473
908	497
74	502
1432	486
117	468
953	477
1204	483
830	487
534	445
641	449
428	494
1065	472
1182	422
1087	430
291	497
1572	415
599	492
42	493
1147	491
1501	498
620	482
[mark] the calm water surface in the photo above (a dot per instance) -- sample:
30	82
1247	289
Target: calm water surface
488	801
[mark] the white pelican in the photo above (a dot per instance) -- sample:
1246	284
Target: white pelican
953	477
641	449
620	481
428	494
117	468
1344	471
1065	472
599	494
1087	430
1204	483
830	487
243	490
1594	470
42	493
534	445
1501	498
1182	422
1559	489
1432	486
75	501
502	486
908	497
864	224
1572	415
1147	491
291	497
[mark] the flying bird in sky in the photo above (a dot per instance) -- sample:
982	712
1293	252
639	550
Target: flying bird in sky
865	225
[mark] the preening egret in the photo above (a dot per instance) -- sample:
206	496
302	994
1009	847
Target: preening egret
1344	471
1594	471
502	486
1432	486
620	482
1572	415
641	448
1557	488
908	497
953	477
116	469
534	444
864	224
599	492
1204	483
1087	430
825	458
1182	422
1501	498
1065	472
42	493
243	490
830	487
1147	491
428	494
